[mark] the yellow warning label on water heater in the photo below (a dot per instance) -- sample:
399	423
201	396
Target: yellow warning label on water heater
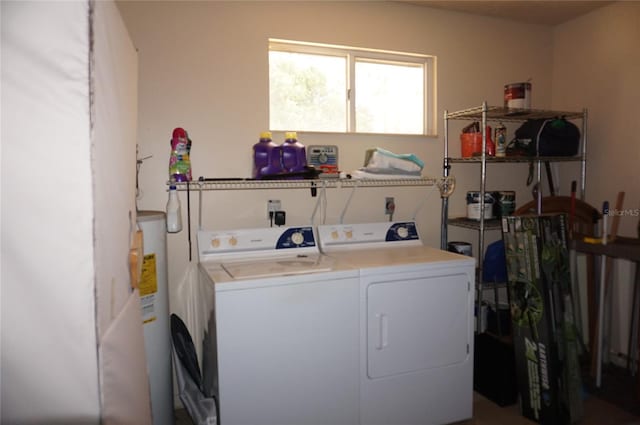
149	279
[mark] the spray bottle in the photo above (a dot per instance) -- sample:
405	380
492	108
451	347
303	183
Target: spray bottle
174	211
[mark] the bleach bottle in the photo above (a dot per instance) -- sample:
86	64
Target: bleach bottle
294	155
174	211
267	157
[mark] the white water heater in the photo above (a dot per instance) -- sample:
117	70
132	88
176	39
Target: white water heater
154	300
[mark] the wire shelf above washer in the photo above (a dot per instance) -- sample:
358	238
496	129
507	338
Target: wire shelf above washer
250	184
445	184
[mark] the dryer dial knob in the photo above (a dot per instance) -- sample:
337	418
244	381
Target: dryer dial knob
403	232
348	234
297	238
335	235
233	241
215	243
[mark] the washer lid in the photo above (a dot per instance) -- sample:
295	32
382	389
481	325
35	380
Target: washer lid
300	264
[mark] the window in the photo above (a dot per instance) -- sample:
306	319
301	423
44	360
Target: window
336	89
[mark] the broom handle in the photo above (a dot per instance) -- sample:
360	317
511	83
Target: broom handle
605	280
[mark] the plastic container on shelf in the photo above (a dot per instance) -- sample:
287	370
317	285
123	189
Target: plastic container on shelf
491	147
517	95
179	161
504	203
294	154
470	144
501	140
473	205
460	247
267	157
174	211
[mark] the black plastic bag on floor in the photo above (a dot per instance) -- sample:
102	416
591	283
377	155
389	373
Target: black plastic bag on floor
196	399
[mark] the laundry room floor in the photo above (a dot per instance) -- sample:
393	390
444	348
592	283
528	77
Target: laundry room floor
485	412
596	412
617	402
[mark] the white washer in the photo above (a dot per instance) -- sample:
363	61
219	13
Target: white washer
287	327
416	323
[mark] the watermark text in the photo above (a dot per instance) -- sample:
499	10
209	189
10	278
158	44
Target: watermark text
629	212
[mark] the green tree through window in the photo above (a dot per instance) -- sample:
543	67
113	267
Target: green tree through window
335	89
307	92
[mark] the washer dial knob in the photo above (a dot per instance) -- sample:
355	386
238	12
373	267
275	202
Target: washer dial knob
403	232
297	238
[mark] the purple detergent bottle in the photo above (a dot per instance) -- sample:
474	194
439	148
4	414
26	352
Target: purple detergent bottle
294	155
267	156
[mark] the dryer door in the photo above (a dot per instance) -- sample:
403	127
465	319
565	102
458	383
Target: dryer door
417	323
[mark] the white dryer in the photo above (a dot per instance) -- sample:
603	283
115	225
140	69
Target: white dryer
286	320
416	323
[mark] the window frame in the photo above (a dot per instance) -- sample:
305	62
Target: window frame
353	55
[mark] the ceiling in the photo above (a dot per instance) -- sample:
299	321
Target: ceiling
528	11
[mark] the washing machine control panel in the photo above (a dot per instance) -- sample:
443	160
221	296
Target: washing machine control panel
367	234
256	241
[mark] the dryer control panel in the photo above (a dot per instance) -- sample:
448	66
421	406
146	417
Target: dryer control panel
365	235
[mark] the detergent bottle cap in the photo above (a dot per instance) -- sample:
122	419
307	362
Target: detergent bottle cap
179	133
290	135
265	135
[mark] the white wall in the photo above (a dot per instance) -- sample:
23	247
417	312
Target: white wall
596	64
204	66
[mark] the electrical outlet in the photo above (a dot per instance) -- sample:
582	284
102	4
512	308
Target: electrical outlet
272	206
389	205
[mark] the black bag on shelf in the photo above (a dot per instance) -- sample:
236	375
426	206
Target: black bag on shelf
545	137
